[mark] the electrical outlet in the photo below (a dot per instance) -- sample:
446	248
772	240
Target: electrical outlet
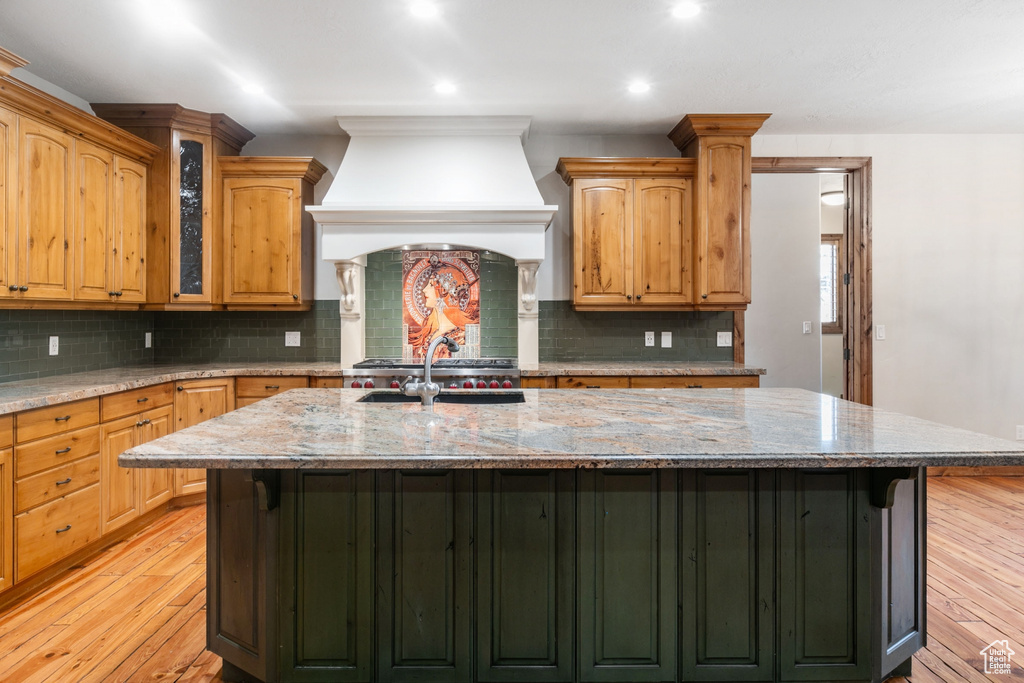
808	327
1020	432
648	338
292	338
54	345
666	340
149	340
725	338
880	332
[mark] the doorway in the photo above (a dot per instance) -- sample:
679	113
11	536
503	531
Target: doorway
855	247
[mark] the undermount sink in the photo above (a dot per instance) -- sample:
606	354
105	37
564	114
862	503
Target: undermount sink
482	398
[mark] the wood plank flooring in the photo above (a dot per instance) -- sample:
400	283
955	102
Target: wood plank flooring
138	611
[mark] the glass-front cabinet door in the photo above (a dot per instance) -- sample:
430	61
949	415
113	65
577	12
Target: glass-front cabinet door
191	238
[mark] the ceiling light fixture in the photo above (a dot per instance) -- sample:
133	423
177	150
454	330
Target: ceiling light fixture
638	87
445	88
834	198
686	10
424	10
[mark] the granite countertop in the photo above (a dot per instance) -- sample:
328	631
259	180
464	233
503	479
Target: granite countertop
36	393
641	368
329	429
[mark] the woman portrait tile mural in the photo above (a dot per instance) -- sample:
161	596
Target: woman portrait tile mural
440	296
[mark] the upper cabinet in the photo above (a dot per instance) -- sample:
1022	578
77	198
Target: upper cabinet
70	229
268	235
184	237
666	233
721	145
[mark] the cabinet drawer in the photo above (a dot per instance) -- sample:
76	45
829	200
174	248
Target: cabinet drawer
593	382
56	450
136	400
261	387
52	484
6	431
55	530
35	424
695	382
327	382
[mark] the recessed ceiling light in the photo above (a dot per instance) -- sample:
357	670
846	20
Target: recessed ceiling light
686	10
423	9
252	88
639	87
445	88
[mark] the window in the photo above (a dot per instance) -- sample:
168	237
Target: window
831	284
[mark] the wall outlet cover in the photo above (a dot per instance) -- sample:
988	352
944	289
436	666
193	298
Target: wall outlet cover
149	340
666	340
648	338
54	345
292	338
1020	432
725	338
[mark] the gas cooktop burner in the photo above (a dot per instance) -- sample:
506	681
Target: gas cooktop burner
395	364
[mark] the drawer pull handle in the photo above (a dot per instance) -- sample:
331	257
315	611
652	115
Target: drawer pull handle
64	481
67	528
694	386
272	386
63	451
593	386
62	419
142	400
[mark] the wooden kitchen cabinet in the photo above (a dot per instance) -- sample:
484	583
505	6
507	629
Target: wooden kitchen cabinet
268	235
249	390
184	243
721	145
6	516
8	198
643	382
632	234
196	401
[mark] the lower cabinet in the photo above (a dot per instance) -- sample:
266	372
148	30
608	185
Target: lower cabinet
558	576
196	401
6	513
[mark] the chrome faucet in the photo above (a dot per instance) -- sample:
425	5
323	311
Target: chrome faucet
426	389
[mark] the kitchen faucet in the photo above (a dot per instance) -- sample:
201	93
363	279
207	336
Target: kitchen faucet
426	389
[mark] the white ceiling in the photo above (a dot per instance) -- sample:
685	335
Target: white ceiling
819	66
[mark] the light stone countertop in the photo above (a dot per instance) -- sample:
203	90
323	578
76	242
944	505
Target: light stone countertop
641	368
46	391
685	428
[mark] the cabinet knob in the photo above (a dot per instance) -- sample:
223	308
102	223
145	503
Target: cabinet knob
703	296
13	288
118	293
629	296
295	296
181	388
638	297
177	294
23	288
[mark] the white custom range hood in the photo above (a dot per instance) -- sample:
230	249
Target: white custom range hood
461	181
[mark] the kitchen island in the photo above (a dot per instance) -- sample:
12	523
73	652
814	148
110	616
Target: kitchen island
635	535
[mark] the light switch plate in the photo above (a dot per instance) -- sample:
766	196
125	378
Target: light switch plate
725	338
292	338
1020	432
880	332
648	338
808	327
149	340
666	340
54	345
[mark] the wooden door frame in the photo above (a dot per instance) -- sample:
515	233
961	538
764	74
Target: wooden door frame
857	325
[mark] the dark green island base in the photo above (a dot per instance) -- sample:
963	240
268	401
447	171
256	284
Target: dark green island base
545	576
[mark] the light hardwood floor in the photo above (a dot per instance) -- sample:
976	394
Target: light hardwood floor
137	612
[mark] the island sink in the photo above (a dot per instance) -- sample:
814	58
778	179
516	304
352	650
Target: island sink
481	398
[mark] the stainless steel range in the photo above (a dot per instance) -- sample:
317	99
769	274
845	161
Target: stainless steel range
450	373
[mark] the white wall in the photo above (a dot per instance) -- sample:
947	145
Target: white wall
784	239
948	242
833	219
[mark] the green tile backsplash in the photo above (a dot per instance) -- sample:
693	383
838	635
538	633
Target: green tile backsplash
570	335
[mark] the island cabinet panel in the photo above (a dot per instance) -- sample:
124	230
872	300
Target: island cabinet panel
899	576
239	622
525	543
824	582
327	527
727	569
627	575
424	576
